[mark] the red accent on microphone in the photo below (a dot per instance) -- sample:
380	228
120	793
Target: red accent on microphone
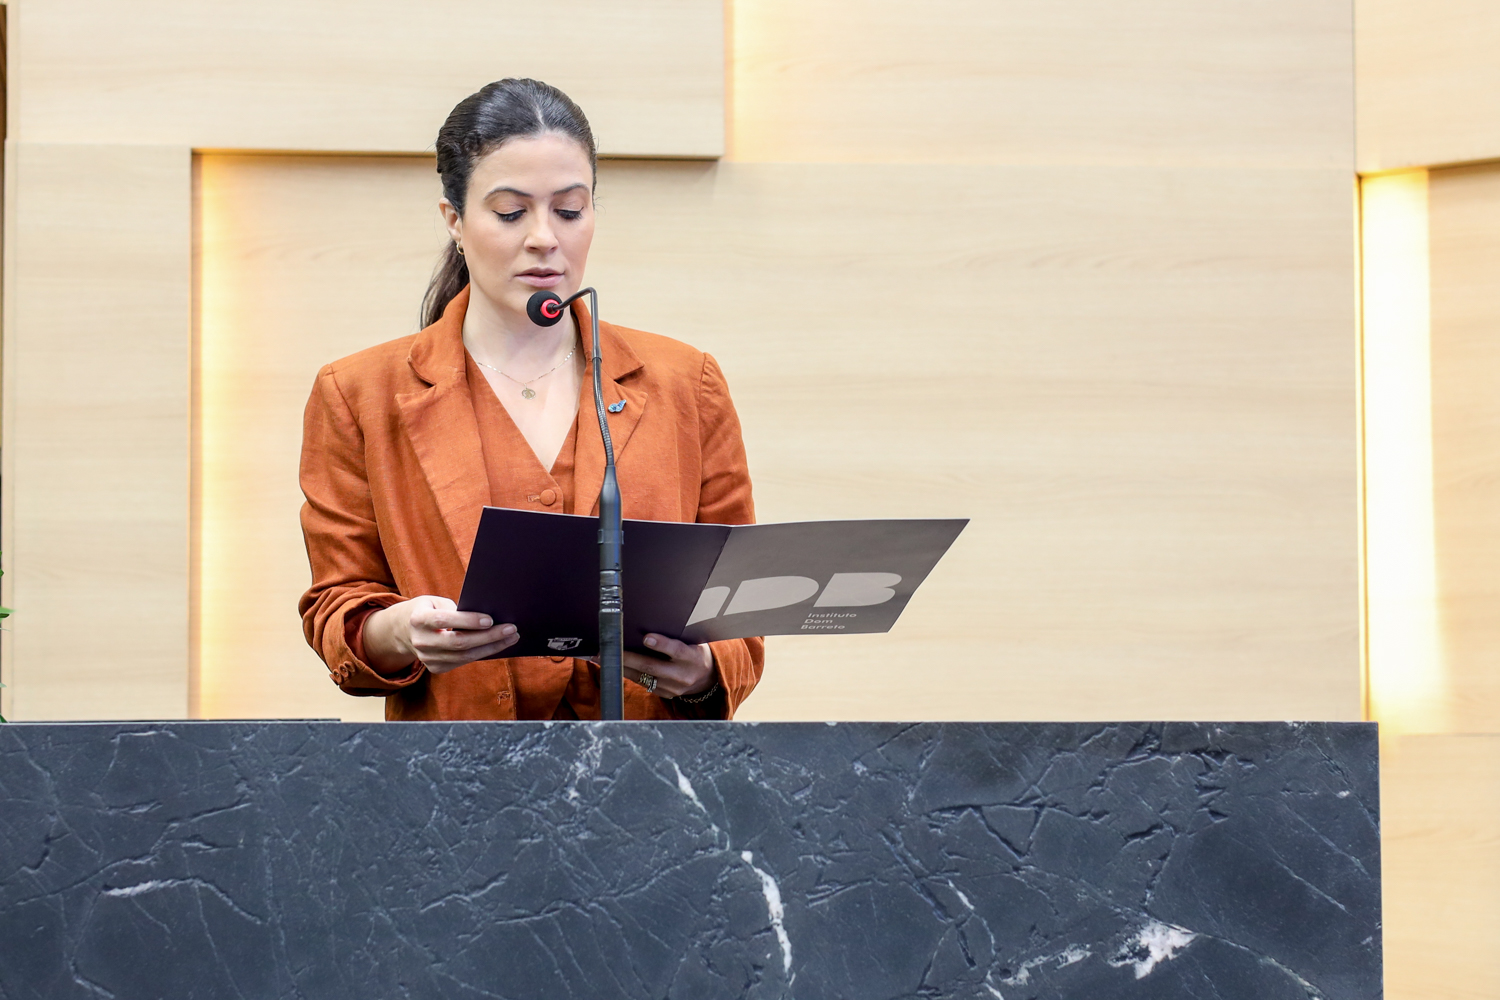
551	309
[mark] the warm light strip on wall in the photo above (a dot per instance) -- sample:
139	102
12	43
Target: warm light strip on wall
215	483
1407	689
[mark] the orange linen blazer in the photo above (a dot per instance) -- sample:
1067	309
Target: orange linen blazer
395	480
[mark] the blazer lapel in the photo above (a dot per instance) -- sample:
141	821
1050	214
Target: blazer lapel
440	424
620	362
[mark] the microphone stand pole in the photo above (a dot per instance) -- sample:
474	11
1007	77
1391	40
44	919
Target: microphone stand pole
611	540
545	309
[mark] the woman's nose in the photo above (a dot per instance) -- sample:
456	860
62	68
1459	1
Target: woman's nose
540	236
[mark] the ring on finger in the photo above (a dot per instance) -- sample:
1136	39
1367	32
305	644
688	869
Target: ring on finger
648	682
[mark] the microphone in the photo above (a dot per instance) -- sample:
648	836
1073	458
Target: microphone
546	309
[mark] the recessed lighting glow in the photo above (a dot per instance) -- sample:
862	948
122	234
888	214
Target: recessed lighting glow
1403	639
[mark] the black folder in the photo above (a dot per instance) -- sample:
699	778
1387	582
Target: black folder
697	582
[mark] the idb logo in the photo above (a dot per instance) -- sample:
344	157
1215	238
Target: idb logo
844	590
561	644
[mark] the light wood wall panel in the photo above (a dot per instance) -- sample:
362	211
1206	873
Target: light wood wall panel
1440	823
304	260
1170	82
359	76
97	317
1428	82
1464	241
1138	382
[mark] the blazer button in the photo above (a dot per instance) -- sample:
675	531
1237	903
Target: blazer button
557	659
549	497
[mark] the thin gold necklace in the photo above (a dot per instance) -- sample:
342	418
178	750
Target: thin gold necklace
527	392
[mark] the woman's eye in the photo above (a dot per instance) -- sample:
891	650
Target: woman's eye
569	213
511	216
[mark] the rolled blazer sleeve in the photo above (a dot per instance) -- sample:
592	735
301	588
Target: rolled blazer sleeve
349	568
725	498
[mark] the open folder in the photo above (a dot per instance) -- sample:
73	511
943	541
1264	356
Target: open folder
697	582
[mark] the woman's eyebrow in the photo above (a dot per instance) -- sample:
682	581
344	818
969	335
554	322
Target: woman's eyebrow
522	194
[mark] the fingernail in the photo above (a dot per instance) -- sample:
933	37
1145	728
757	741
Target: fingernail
650	640
486	622
508	630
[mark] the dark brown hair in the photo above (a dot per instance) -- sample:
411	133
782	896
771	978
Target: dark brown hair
477	125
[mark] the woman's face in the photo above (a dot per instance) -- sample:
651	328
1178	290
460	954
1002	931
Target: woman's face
528	222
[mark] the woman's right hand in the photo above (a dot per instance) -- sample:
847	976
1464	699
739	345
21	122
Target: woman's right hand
432	630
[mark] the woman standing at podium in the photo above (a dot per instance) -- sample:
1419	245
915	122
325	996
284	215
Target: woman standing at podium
405	442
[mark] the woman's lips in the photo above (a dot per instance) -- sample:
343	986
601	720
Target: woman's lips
540	280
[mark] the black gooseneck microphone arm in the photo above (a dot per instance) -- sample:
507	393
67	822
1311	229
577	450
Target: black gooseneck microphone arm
545	309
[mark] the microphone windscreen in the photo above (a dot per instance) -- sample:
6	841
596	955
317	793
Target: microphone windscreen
544	316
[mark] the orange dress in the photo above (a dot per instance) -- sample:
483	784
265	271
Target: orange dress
556	687
404	443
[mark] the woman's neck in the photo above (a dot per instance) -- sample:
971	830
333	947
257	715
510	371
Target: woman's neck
499	338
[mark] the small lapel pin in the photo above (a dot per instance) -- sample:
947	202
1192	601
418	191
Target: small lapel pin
616	407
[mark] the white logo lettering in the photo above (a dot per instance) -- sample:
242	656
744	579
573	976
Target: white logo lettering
769	592
857	590
709	603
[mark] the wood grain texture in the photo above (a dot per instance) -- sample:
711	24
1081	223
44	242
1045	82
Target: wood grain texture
304	260
1428	82
1170	82
1440	822
360	76
1464	221
97	300
1138	382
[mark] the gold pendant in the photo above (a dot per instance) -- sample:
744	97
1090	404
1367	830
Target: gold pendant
528	393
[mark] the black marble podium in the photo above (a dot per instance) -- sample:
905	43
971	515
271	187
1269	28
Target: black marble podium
241	861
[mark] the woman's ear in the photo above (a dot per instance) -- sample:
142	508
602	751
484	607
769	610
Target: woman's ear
452	220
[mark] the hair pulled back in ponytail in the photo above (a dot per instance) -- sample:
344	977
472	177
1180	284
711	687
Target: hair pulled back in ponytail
477	125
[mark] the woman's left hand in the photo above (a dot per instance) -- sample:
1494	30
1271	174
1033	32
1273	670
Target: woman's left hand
691	669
